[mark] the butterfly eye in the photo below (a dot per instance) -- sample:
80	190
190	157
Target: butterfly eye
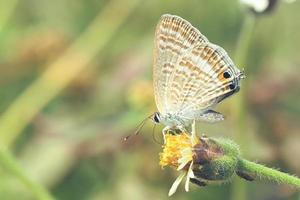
226	75
156	118
232	86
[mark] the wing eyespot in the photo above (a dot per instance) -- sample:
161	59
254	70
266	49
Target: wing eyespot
232	86
226	74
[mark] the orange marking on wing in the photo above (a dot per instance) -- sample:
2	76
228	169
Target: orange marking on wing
221	77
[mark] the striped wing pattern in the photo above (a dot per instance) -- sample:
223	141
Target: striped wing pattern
174	37
206	84
189	70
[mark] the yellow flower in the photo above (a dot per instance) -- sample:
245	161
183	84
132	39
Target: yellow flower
172	149
201	160
178	153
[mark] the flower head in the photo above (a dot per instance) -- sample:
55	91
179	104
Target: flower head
177	150
198	159
178	153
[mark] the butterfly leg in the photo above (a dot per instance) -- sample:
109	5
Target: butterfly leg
164	132
210	116
182	129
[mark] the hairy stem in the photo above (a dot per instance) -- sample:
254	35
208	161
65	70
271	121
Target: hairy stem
266	173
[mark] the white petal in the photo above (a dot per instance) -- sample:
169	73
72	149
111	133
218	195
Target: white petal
187	183
186	152
185	158
190	174
183	162
194	136
176	183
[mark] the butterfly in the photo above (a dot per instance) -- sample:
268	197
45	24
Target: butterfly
190	75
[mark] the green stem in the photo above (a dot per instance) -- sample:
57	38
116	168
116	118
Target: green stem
242	50
266	173
10	164
239	109
244	41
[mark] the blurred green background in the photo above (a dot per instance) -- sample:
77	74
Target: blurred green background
75	78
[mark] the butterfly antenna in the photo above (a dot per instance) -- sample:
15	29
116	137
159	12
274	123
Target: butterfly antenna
153	135
139	127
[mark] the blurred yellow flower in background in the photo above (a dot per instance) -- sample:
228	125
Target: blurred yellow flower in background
140	95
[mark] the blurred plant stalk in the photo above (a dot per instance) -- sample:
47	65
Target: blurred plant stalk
56	77
6	10
63	70
240	103
9	163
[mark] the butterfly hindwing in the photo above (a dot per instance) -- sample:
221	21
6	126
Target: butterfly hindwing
217	79
204	76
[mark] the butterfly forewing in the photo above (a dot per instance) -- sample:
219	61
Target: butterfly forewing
173	39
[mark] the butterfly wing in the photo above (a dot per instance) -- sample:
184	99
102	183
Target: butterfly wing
174	37
213	77
190	73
